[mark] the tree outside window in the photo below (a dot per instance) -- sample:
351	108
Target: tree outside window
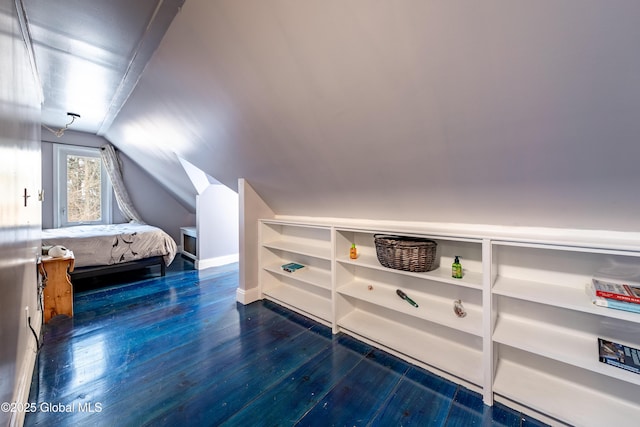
83	192
84	198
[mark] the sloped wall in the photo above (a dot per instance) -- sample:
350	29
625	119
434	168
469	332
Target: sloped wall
496	112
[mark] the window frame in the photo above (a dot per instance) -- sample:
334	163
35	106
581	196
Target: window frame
60	153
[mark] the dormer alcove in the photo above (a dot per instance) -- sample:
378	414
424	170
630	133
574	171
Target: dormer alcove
213	239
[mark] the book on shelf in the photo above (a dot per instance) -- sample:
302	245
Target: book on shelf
619	291
292	267
610	303
619	355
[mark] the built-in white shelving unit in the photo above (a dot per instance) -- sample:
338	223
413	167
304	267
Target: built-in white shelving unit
367	305
309	290
547	328
530	334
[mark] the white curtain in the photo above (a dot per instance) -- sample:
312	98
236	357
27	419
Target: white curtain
114	169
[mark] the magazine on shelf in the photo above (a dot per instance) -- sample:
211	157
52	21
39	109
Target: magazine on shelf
617	290
610	303
292	267
619	355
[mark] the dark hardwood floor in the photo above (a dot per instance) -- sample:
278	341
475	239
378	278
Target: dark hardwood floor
178	350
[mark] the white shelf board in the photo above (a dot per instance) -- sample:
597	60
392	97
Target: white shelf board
597	239
316	251
557	296
303	300
558	397
311	224
556	247
421	233
311	275
564	345
471	279
436	310
454	358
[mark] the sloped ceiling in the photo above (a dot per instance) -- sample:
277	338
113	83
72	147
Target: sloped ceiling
90	55
494	112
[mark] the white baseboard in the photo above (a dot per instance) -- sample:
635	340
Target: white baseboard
201	264
21	395
247	296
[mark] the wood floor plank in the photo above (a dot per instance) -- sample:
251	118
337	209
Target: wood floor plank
135	340
159	352
292	397
191	355
218	400
421	399
468	409
179	350
357	398
185	375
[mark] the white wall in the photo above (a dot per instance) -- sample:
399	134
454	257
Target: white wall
252	209
499	112
217	225
19	223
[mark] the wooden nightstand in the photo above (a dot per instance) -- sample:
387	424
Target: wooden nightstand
58	290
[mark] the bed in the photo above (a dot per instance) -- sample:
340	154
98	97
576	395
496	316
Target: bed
111	248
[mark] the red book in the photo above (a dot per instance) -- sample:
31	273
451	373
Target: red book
617	291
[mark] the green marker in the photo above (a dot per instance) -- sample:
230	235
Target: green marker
406	298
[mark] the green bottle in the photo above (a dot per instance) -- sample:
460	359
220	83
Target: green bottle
456	268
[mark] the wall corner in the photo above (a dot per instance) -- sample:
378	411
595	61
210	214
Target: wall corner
252	208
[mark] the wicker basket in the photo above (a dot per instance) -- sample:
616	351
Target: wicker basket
405	253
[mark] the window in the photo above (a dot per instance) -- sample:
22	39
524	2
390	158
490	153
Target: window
83	192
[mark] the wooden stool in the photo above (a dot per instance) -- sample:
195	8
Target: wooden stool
58	290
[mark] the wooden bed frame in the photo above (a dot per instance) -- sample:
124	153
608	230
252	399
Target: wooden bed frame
84	272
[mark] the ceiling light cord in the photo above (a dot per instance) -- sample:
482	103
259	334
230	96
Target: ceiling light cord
61	131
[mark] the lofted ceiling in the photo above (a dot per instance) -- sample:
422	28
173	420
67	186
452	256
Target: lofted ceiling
90	55
496	112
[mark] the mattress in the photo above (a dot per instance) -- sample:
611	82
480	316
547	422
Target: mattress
95	245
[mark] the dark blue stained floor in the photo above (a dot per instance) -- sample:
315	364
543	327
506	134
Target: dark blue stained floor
146	350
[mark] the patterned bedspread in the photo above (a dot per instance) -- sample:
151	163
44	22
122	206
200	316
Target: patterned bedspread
94	245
